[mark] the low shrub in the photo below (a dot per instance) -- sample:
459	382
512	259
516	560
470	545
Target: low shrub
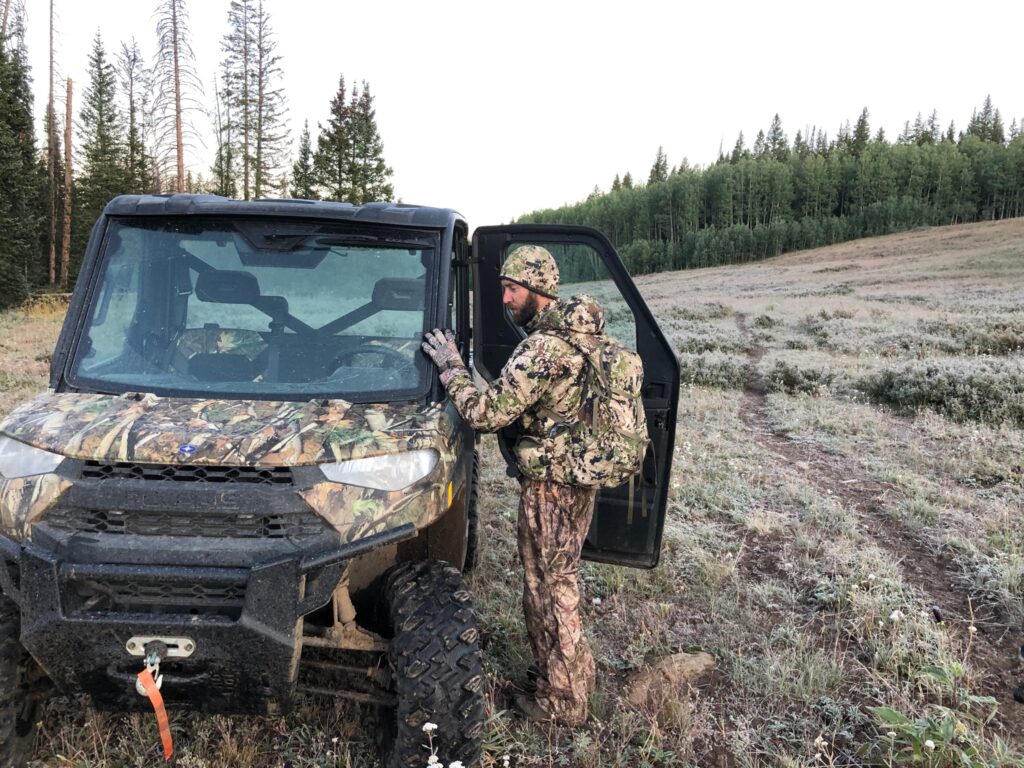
789	378
983	390
994	336
708	338
714	310
719	371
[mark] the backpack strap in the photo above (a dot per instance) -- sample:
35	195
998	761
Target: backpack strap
561	421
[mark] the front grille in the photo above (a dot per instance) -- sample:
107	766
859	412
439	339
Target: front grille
206	524
187	473
94	597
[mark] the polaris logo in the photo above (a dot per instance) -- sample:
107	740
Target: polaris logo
186	449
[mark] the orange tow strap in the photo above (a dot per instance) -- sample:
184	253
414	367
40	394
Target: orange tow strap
146	678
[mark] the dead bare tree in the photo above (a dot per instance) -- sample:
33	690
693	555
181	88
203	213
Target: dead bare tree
51	164
65	251
176	81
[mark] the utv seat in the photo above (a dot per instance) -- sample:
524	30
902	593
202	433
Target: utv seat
207	366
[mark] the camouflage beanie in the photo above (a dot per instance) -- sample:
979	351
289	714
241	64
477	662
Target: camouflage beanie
533	267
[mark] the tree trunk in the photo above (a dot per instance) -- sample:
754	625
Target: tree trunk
3	26
51	131
246	108
65	251
177	103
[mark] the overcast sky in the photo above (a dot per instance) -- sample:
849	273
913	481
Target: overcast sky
500	108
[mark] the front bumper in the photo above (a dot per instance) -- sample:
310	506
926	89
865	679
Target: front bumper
245	622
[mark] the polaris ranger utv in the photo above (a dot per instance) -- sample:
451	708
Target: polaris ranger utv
246	477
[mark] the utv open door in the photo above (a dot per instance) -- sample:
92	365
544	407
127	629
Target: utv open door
628	522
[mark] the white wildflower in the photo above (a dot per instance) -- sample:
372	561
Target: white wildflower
972	629
896	615
429	727
891	734
596	601
456	764
929	744
433	760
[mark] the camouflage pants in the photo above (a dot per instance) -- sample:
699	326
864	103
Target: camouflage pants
553	523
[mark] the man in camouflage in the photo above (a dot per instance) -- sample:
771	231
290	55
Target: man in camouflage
541	385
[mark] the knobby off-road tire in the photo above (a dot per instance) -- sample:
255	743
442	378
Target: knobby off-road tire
19	705
436	667
473	516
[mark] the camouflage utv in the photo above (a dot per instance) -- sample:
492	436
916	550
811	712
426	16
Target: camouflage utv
246	476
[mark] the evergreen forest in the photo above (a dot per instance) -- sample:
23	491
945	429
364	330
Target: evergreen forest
134	126
778	196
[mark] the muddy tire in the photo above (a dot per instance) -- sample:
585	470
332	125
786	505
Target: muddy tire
436	667
19	705
473	517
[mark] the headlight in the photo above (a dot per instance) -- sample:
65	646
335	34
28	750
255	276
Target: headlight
21	460
383	473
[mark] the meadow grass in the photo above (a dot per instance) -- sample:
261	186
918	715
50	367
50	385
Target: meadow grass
853	557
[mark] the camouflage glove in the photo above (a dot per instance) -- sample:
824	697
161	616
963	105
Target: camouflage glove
440	347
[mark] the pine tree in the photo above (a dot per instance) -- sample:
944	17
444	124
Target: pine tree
102	149
933	127
920	134
303	184
21	180
738	150
224	181
776	141
252	132
330	162
134	79
367	172
616	183
800	147
996	131
177	85
271	131
627	181
987	125
861	134
760	145
237	82
659	171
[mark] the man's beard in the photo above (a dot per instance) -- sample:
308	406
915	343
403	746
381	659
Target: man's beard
525	313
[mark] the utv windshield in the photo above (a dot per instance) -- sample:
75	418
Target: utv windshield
257	309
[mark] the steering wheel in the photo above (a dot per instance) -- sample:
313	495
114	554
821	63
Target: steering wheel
390	358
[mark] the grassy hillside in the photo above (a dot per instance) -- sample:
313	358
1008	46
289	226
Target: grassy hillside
845	534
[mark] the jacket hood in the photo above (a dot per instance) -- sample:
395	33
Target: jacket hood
580	314
149	429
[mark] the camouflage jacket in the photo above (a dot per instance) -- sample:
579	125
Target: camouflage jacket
541	385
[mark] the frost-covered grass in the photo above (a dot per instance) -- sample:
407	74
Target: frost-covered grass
786	567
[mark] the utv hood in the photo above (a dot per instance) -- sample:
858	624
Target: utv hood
149	429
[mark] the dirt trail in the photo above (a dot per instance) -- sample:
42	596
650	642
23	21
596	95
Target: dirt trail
994	651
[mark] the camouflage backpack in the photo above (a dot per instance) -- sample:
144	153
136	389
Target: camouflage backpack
606	445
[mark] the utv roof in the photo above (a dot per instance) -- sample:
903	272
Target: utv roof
396	214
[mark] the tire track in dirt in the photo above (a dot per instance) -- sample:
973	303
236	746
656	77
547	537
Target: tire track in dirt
994	649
